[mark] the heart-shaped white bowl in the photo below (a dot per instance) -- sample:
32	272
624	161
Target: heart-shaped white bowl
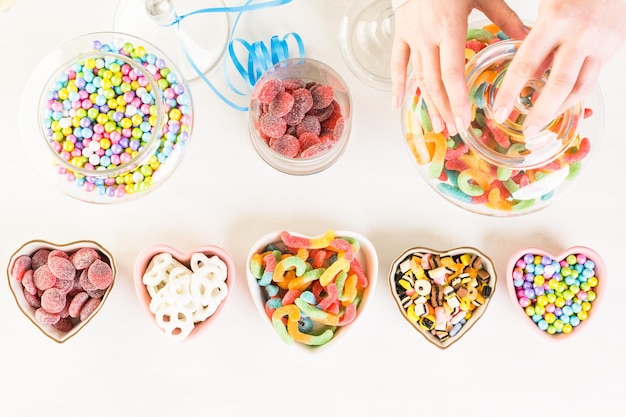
143	262
444	286
17	288
367	259
518	274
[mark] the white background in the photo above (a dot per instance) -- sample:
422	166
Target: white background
224	194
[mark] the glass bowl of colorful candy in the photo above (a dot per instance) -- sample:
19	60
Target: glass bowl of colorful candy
556	294
300	116
442	294
311	290
183	292
107	117
492	168
61	287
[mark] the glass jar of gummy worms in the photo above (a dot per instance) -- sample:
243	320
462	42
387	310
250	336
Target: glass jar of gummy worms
492	168
106	117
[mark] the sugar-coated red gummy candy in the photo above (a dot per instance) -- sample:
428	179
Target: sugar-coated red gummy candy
64	285
44	278
88	308
338	129
97	293
308	139
32	299
286	145
61	267
293	83
64	324
58	252
20	266
269	90
295	116
282	104
100	274
40	257
272	126
77	303
302	99
322	96
84	257
322	114
315	150
28	282
309	124
83	281
53	300
45	317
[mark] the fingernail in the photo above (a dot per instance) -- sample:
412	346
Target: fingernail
451	129
460	125
531	131
437	123
394	102
501	114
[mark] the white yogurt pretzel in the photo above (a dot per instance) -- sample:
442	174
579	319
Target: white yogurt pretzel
177	324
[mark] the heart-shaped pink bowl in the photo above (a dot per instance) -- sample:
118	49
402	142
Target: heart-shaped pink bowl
556	295
143	261
368	261
442	294
17	288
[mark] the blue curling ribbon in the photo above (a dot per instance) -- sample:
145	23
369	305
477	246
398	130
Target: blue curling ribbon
260	57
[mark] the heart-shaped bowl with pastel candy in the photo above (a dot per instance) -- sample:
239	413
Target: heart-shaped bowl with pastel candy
310	290
556	294
442	294
42	283
183	292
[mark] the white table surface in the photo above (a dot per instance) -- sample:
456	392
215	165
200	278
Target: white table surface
224	194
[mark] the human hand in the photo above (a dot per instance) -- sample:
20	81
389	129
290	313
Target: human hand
431	34
575	39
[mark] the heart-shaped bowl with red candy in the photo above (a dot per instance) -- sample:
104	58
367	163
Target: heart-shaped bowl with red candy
556	294
310	290
183	292
442	294
61	287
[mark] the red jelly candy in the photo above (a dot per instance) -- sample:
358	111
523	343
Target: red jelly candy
61	267
303	100
90	306
315	150
100	274
32	299
322	96
29	283
269	90
53	300
43	278
20	266
84	257
77	304
282	104
309	124
46	317
272	126
308	139
40	257
286	145
64	324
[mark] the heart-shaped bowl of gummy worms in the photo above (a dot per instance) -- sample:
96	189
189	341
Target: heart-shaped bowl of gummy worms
106	117
442	294
61	287
310	290
300	116
556	294
183	292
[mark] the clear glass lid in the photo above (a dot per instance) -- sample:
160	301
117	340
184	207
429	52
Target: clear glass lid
504	144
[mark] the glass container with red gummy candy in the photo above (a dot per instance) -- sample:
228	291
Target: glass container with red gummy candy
492	168
300	116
